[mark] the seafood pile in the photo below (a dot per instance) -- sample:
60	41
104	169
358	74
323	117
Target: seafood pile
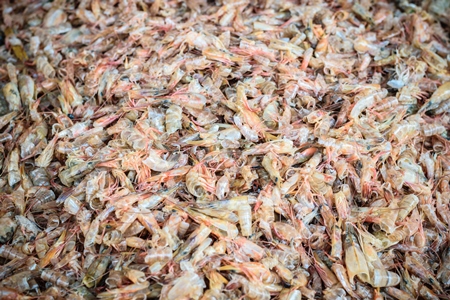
224	149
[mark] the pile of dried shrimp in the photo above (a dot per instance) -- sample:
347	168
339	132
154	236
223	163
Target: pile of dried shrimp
224	149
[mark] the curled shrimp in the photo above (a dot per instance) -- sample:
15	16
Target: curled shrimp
199	181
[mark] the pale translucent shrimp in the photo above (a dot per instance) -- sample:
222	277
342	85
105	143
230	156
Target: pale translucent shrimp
156	163
200	181
55	277
12	96
45	158
365	99
96	271
341	275
189	285
418	269
354	259
217	226
440	95
173	119
13	167
272	166
196	238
